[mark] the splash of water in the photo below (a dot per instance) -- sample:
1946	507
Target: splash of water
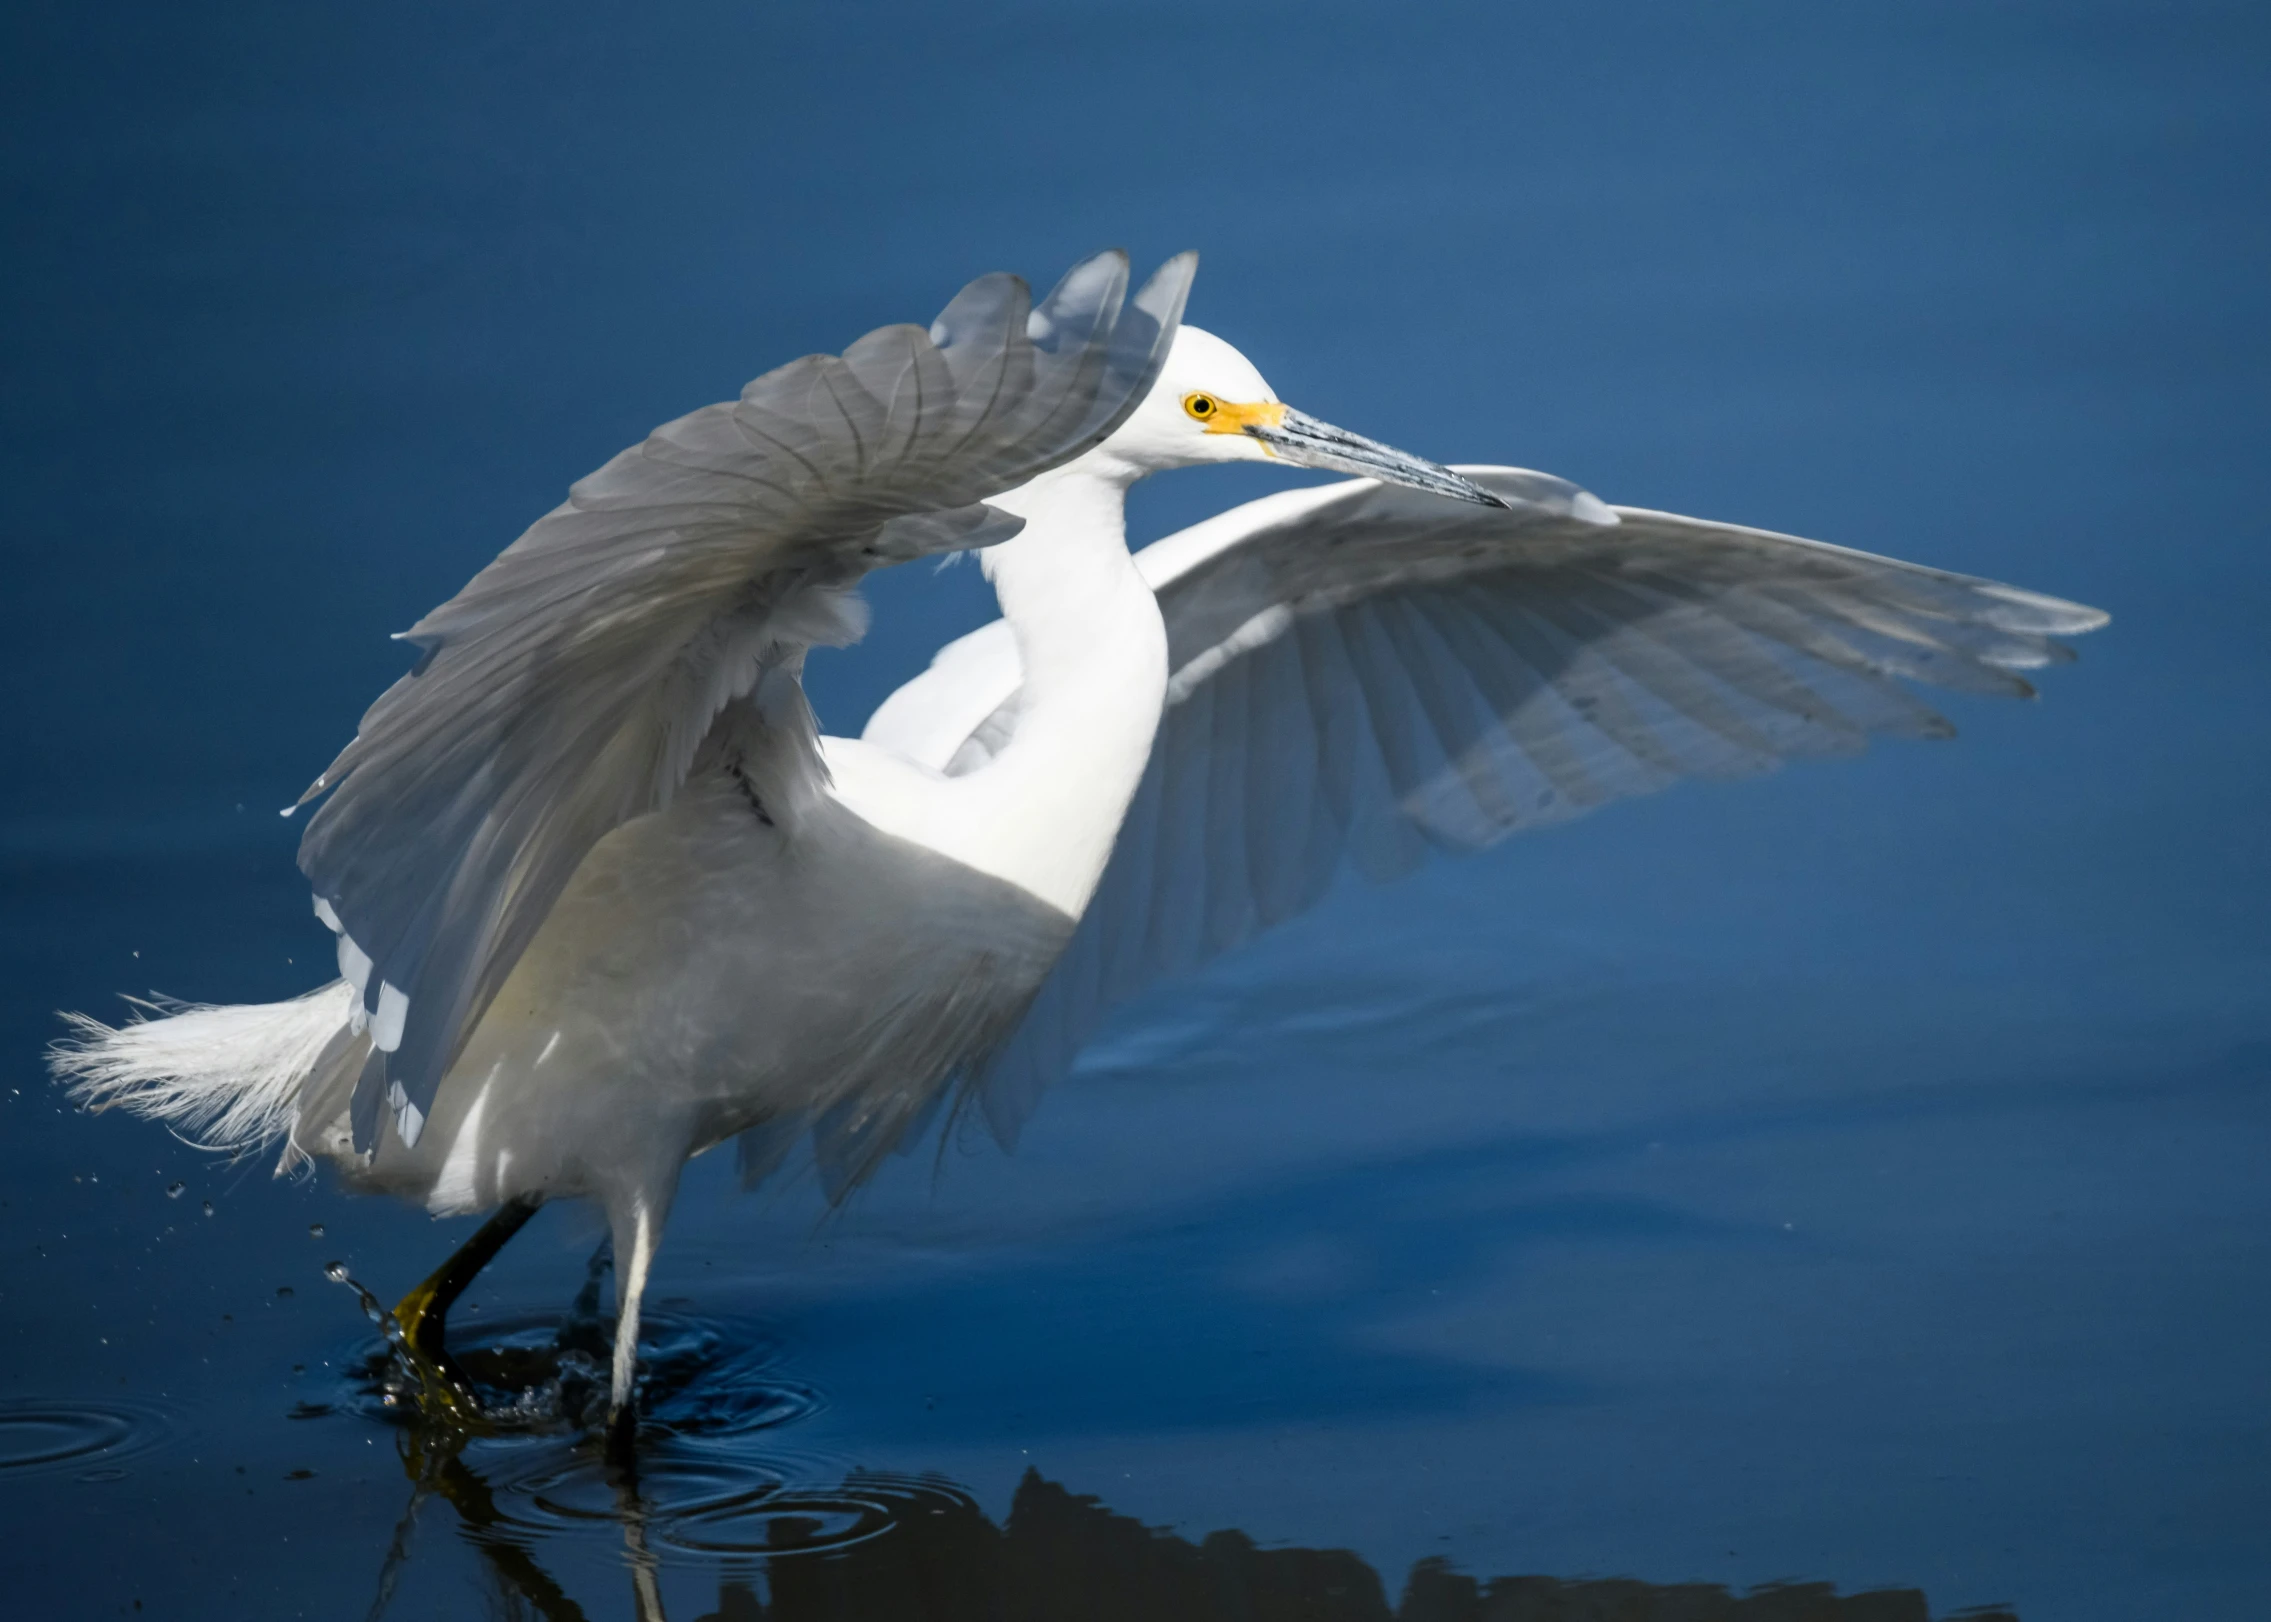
539	1375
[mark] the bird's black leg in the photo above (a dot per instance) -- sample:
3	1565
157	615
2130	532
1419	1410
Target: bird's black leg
423	1314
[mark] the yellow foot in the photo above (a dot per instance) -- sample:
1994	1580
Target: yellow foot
444	1394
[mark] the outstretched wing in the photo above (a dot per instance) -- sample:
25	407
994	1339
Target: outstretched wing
1363	673
565	690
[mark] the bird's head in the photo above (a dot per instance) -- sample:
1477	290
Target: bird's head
1211	405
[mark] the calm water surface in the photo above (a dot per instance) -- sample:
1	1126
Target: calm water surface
1838	1195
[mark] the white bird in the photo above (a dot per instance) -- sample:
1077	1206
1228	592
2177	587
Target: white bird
604	898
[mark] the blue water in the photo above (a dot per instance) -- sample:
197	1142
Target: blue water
1853	1178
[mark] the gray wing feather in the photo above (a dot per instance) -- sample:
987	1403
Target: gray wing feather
1365	674
566	689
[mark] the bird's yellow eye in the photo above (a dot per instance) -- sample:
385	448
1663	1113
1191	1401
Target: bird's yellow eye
1200	406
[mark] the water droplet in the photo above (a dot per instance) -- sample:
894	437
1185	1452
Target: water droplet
174	1190
283	1289
208	1207
335	1271
315	1230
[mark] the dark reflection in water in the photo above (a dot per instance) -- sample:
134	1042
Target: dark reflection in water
921	1549
791	1541
798	1543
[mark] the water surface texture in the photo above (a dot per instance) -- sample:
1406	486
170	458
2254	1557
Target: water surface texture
1836	1195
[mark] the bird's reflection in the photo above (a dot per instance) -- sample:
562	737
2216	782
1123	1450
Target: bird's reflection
711	1505
708	1498
921	1550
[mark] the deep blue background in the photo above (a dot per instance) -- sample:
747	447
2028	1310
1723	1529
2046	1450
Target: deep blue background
1858	1174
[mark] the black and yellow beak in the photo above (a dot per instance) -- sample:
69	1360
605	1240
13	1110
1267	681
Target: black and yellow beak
1296	437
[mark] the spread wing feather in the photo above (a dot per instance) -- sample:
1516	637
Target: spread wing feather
1363	674
566	689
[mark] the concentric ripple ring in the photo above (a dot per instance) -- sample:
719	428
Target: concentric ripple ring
37	1435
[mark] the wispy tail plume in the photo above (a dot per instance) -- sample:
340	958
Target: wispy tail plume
223	1078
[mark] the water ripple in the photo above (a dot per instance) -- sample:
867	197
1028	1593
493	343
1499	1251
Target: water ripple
39	1436
774	1522
712	1502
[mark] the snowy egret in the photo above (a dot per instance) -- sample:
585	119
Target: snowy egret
604	898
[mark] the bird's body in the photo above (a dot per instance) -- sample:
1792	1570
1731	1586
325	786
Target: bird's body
604	899
785	946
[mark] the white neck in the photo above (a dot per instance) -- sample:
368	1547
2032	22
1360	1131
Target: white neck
1049	806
